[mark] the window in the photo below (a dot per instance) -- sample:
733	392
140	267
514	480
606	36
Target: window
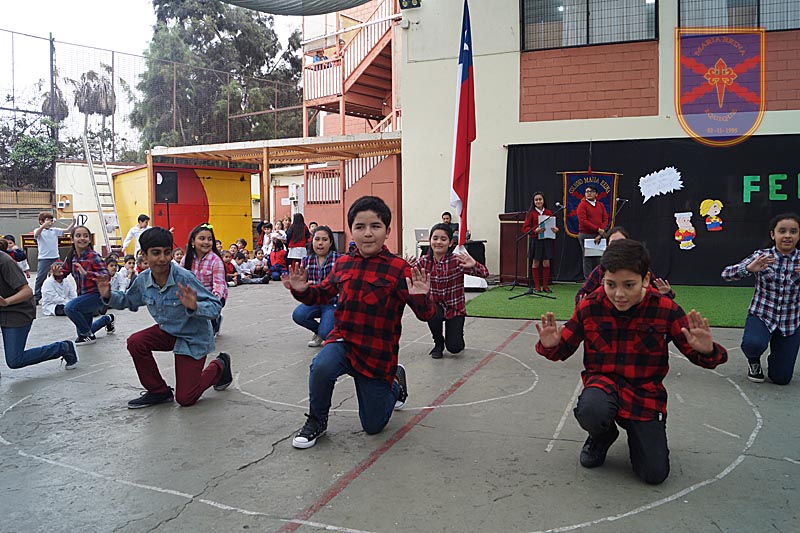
563	23
769	14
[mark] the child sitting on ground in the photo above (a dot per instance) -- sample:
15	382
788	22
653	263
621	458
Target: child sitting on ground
57	291
277	259
129	268
259	266
177	256
183	310
231	277
625	329
373	288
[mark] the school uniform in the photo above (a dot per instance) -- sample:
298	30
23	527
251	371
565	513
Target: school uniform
592	217
47	243
539	249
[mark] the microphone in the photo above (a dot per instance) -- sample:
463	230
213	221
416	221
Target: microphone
623	200
558	204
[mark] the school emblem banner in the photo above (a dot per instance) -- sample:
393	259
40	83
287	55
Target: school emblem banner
719	83
574	185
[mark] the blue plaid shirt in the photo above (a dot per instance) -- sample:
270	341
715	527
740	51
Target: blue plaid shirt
777	298
317	273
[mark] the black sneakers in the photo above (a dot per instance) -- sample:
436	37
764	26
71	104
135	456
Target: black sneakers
83	340
313	428
437	352
755	373
226	378
110	328
71	357
594	450
148	398
400	378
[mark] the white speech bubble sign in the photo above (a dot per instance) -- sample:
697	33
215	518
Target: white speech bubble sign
661	182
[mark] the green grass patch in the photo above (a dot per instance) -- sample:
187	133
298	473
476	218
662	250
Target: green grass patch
723	306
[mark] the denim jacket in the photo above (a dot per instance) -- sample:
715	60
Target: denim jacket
191	329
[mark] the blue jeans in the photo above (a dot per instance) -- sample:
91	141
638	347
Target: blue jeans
17	356
783	350
81	311
306	315
376	397
42	269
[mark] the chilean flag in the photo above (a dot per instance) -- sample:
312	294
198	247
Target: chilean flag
464	127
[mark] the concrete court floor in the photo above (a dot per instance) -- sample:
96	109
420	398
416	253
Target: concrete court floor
487	442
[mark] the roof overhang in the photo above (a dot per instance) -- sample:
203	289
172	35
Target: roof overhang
295	151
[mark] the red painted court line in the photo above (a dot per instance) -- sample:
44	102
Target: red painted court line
359	469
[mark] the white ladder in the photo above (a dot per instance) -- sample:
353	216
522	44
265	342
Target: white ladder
104	196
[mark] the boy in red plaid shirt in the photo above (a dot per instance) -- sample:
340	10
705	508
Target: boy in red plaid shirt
373	287
626	328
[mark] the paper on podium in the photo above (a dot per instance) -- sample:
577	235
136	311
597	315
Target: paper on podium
548	222
593	249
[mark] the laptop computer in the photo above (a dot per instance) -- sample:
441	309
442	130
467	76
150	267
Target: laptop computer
421	235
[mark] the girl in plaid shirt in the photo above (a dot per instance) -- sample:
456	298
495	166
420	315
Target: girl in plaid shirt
774	315
447	288
205	262
86	266
318	265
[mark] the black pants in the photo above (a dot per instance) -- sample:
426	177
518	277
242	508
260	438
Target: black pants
60	310
453	338
647	441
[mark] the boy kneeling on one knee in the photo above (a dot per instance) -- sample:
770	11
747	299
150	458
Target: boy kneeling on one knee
183	310
625	327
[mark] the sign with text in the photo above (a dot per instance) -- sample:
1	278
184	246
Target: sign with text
575	184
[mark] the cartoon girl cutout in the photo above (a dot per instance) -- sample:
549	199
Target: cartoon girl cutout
710	209
686	232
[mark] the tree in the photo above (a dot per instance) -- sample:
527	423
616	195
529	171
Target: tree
223	61
94	95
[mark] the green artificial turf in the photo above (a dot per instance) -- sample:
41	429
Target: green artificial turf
723	306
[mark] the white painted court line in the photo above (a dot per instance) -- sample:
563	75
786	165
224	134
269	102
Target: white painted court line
791	460
564	416
185	495
709	426
679	398
7	409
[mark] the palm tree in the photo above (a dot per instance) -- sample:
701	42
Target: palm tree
94	95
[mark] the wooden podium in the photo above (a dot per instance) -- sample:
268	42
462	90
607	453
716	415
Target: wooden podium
511	248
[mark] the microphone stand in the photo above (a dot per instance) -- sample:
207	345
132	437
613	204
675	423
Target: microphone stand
530	291
617	210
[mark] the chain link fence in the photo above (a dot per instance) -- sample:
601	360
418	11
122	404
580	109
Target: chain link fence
139	102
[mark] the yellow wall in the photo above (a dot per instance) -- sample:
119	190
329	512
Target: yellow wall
229	203
133	197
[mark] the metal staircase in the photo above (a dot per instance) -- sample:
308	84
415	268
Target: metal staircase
104	196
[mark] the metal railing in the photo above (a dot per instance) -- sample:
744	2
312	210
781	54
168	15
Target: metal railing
323	186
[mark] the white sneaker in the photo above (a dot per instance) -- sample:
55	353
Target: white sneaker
315	341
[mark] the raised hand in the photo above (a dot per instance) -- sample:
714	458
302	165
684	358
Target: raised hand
411	260
104	285
79	267
760	263
187	296
297	277
662	285
466	260
419	282
699	333
549	332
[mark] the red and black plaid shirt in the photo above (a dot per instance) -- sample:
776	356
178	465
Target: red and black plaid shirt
626	353
372	296
447	282
94	266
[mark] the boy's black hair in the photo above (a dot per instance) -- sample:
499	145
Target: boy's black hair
369	203
128	257
155	237
592	187
239	255
112	258
448	214
10	237
773	223
143	217
327	230
626	254
618	229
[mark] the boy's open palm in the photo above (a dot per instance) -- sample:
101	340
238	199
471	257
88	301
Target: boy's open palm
187	296
699	333
549	332
419	282
298	278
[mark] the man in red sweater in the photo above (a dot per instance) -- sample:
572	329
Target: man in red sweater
592	222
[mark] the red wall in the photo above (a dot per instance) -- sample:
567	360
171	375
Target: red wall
783	70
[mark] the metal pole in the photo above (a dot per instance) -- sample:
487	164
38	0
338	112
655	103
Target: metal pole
113	115
174	98
228	93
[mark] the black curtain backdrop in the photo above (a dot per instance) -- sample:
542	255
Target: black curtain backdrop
706	172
